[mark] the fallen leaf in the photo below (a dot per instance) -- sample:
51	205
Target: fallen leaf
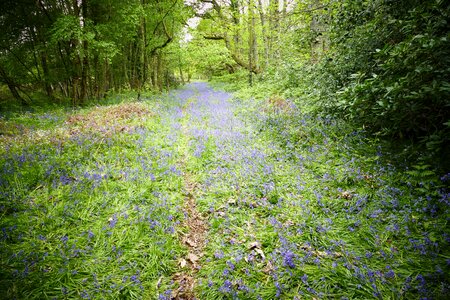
268	268
183	263
254	245
289	223
191	243
346	195
232	201
193	258
159	281
260	252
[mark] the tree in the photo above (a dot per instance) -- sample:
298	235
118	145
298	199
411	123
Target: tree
85	48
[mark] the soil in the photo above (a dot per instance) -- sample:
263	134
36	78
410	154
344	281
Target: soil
194	239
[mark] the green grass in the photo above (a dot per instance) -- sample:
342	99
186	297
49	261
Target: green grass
90	209
298	207
332	216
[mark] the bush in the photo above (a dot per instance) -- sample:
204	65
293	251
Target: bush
387	70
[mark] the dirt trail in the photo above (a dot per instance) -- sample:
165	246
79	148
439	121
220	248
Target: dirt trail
194	237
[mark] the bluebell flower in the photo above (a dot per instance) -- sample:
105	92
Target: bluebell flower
304	279
64	290
113	221
134	278
84	294
375	293
226	287
279	289
218	254
288	258
167	295
230	265
390	273
64	239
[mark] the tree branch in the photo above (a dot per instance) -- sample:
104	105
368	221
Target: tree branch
308	10
213	37
169	39
234	56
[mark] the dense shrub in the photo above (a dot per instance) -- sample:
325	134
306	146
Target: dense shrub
387	70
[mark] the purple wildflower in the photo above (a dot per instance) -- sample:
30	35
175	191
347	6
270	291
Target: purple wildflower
304	279
226	287
218	254
390	274
84	294
113	221
166	296
288	258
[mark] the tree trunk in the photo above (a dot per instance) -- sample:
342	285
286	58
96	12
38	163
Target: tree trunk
318	28
264	33
274	30
46	73
159	74
144	51
154	72
250	42
84	73
12	86
235	11
180	69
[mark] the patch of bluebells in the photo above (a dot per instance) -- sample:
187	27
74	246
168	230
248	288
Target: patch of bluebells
253	157
255	173
72	198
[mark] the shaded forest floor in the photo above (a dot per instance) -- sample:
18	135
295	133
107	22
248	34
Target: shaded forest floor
197	192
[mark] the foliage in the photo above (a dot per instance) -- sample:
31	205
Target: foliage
82	50
401	86
382	65
89	203
386	71
296	205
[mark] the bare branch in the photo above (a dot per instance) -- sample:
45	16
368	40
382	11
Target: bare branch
308	10
169	39
214	37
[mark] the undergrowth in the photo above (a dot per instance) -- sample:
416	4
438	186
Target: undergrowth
303	206
297	206
89	202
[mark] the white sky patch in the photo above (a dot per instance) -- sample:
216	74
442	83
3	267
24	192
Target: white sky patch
200	8
192	24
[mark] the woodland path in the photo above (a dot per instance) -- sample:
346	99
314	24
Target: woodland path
219	151
230	177
200	195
